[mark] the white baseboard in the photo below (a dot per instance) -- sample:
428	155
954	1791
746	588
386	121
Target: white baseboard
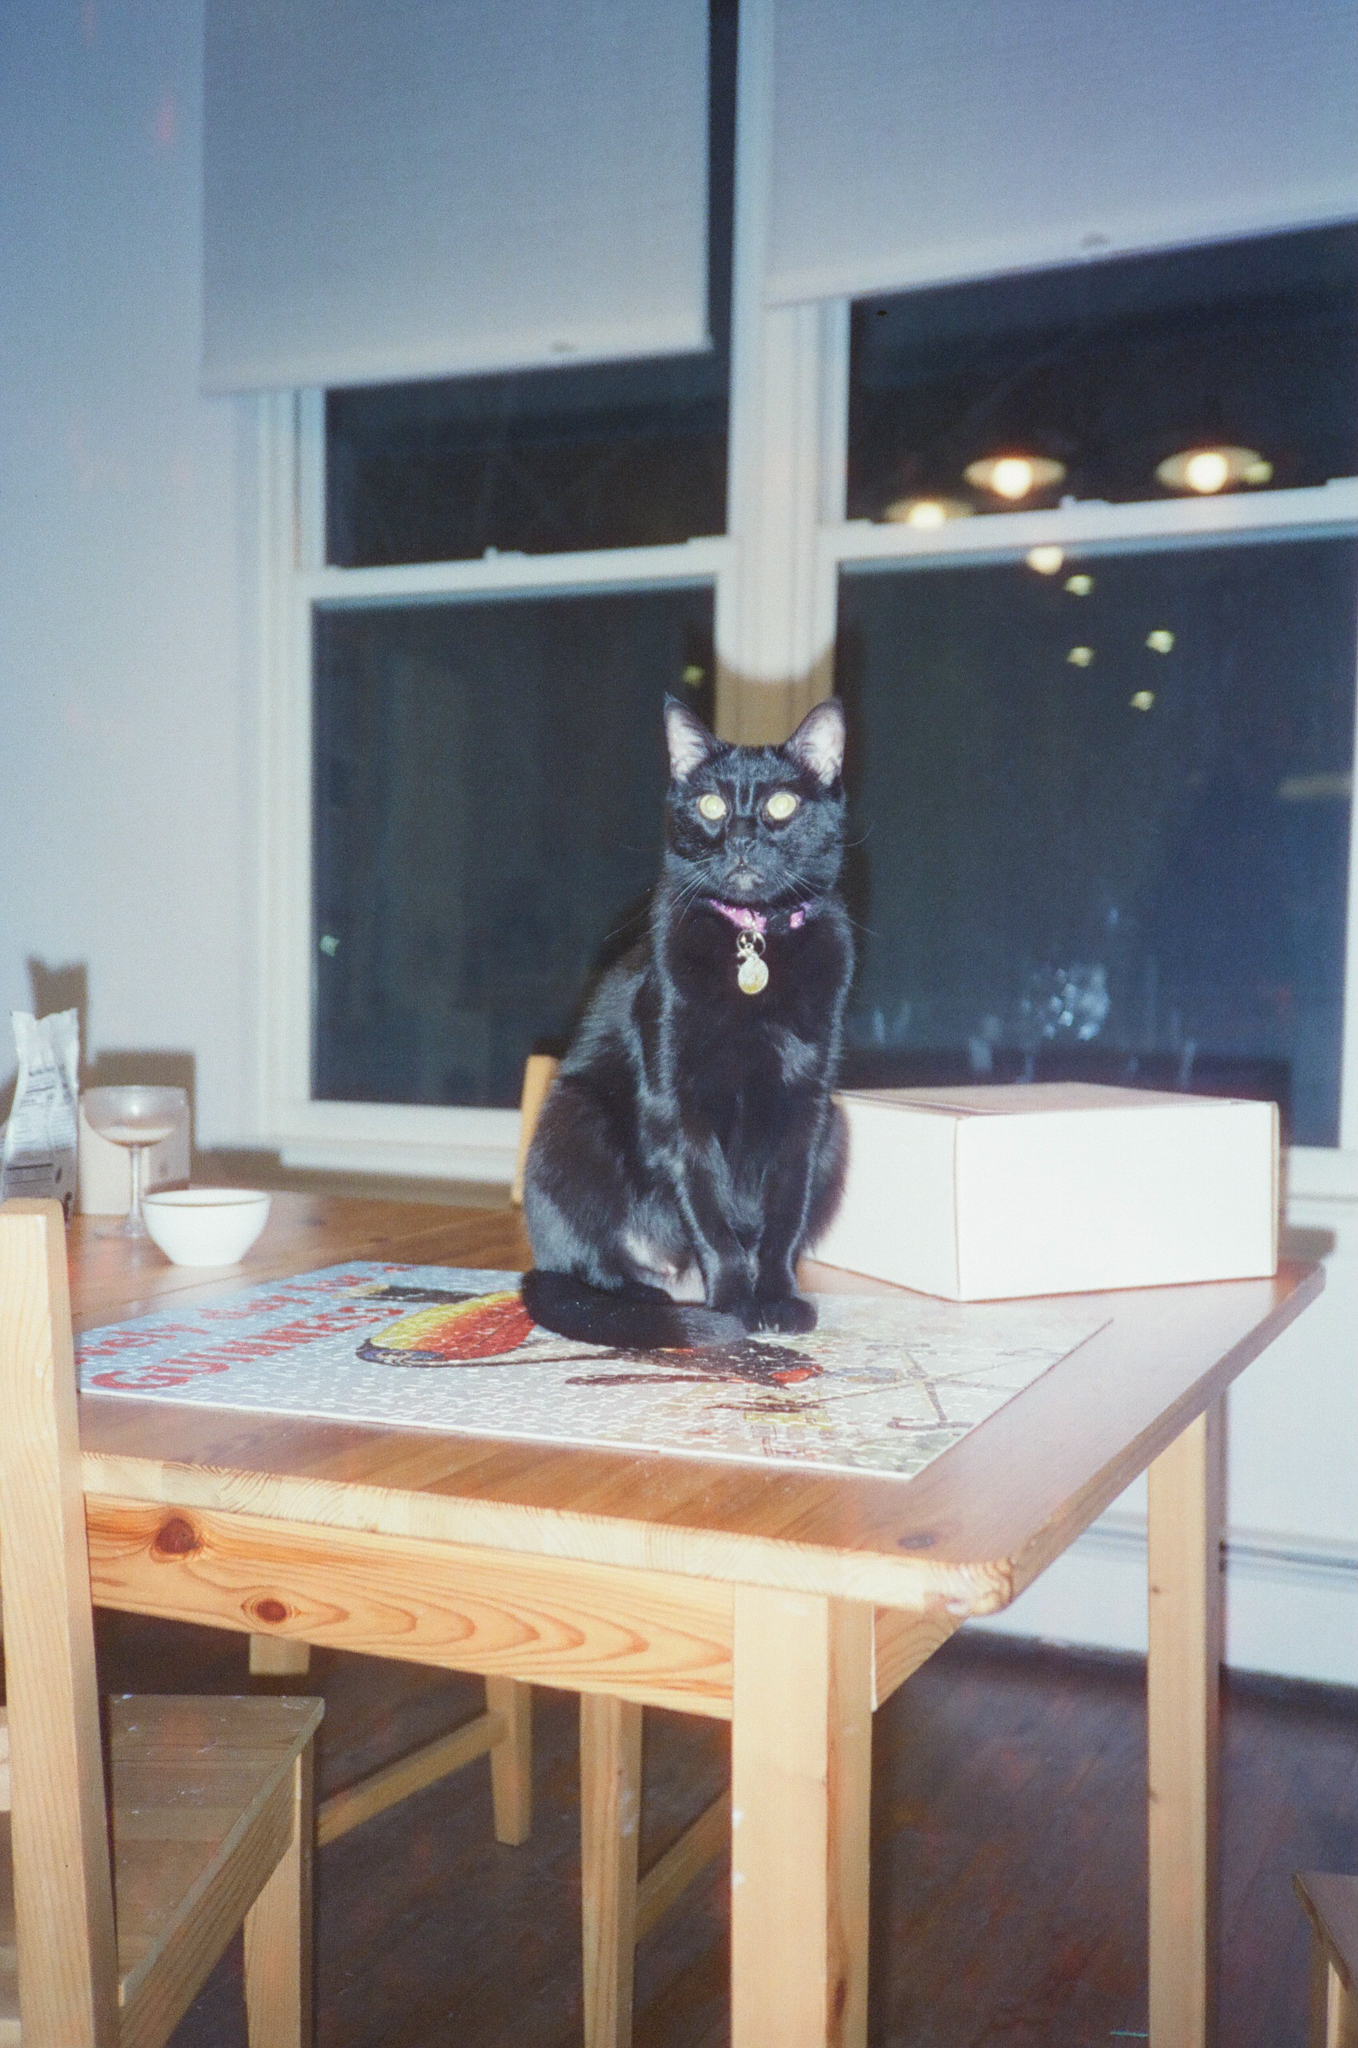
486	1164
400	1139
1291	1600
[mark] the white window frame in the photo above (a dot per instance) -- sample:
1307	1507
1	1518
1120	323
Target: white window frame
775	575
375	1137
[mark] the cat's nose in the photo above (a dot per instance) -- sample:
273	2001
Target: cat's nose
740	829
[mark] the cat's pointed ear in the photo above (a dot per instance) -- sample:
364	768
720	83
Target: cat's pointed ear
818	743
688	739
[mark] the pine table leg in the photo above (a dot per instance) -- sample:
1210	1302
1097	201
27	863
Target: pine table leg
610	1831
801	1771
1183	1680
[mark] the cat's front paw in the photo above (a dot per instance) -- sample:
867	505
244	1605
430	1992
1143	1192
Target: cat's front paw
789	1313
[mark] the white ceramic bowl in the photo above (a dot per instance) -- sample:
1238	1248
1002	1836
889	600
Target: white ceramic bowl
205	1226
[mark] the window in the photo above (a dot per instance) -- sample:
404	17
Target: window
1098	647
549	462
1102	710
1103	817
475	843
619	455
1100	376
508	573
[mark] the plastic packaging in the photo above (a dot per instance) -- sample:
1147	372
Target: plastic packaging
39	1155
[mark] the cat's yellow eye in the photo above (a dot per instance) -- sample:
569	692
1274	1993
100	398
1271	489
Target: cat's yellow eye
780	806
712	807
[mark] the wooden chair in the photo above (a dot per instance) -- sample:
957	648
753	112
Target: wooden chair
505	1730
539	1072
1331	1904
112	1914
618	1905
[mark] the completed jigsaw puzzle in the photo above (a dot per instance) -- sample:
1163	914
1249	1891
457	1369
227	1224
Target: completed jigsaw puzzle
883	1384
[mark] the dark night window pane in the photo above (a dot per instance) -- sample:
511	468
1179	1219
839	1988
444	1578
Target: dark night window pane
1104	830
613	455
1107	370
489	780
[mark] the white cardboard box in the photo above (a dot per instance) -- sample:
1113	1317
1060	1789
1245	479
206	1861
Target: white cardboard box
977	1194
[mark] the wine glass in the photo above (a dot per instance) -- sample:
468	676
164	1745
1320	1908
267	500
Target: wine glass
137	1118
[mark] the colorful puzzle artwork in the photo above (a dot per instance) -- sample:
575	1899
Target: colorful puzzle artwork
883	1384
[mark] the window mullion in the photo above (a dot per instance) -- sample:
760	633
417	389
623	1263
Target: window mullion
1348	1067
284	866
771	667
788	434
775	641
310	457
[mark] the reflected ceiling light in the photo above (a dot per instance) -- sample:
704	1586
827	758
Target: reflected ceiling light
1014	476
1143	700
1046	561
1079	586
1211	469
1080	657
1160	641
927	511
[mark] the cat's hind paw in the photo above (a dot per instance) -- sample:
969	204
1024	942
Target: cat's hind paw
788	1313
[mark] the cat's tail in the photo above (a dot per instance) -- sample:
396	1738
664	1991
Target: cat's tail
640	1321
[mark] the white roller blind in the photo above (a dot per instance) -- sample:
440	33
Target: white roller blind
416	188
922	140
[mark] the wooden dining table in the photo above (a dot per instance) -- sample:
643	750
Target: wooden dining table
791	1602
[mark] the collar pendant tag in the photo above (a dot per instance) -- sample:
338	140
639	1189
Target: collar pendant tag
751	973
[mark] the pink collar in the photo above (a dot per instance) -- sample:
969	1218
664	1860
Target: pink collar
755	920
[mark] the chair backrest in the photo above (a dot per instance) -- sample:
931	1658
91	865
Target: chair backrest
539	1072
63	1892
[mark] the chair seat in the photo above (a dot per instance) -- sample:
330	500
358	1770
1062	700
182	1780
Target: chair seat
202	1810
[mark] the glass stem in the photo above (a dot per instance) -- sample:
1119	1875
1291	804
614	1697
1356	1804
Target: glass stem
136	1226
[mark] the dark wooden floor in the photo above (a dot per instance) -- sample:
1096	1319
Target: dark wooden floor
1008	1881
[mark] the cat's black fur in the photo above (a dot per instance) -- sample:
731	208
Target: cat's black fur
689	1150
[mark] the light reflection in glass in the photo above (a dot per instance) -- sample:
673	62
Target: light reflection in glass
1014	476
927	512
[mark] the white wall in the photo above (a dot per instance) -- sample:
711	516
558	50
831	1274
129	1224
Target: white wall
123	740
127	651
1292	1501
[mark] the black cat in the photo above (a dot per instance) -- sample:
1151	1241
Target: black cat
689	1150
